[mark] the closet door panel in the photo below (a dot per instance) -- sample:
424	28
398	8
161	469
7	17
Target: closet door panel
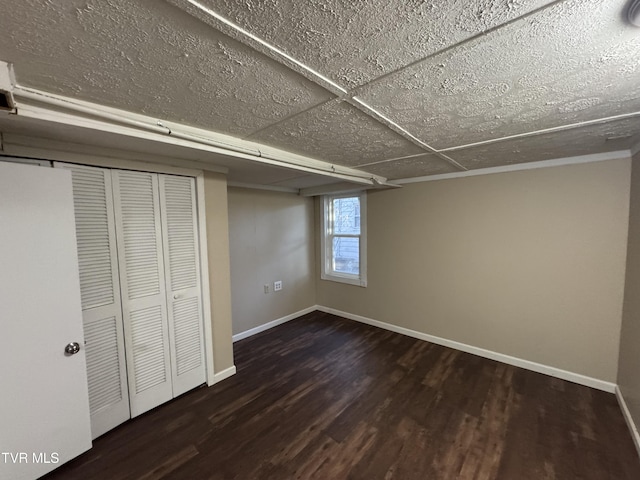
144	303
182	274
100	295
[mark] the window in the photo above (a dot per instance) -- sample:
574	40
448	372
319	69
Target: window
344	234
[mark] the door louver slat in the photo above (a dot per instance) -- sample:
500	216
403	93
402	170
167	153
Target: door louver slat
186	317
92	233
139	233
148	347
103	363
182	247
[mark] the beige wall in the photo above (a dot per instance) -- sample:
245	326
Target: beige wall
528	264
215	191
629	368
271	238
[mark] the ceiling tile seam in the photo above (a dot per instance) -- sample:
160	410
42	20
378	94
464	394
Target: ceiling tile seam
545	131
226	26
351	94
193	7
290	116
354	91
447	158
380	117
395	159
560	128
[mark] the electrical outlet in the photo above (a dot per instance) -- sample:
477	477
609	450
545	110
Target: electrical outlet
266	288
277	285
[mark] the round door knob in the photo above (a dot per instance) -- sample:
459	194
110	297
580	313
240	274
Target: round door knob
72	348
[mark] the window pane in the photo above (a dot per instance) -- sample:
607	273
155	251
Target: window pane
346	216
346	255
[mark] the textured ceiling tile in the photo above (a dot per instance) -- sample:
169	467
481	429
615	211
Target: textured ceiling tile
575	61
354	41
419	166
572	62
567	143
338	133
151	58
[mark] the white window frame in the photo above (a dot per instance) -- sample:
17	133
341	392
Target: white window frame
326	241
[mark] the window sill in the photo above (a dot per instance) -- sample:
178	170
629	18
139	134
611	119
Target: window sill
360	282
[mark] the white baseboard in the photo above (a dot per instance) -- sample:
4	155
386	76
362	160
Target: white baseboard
518	362
633	429
224	374
273	323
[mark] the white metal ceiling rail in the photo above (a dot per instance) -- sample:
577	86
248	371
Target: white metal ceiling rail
270	156
215	20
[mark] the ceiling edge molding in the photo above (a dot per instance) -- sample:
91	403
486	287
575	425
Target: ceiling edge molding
556	162
340	188
270	188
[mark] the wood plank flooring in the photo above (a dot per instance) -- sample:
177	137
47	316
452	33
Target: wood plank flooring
326	398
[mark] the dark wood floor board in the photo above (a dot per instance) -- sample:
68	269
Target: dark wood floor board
322	397
292	447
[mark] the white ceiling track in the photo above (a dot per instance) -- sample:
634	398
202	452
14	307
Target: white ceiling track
633	14
42	105
215	20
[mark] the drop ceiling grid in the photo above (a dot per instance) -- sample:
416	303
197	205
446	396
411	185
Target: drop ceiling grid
107	52
361	138
452	86
469	94
274	14
354	42
289	132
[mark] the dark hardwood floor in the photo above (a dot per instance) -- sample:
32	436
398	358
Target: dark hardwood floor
326	398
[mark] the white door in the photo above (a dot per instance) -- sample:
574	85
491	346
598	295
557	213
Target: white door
144	301
100	293
44	403
182	267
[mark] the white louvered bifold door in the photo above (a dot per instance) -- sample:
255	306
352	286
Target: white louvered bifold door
182	267
100	293
144	301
